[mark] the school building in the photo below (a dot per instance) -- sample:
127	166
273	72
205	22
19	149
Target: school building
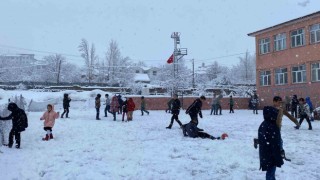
288	59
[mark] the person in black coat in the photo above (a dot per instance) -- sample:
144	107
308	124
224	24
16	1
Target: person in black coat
270	144
120	101
191	130
175	110
195	108
66	105
19	123
294	106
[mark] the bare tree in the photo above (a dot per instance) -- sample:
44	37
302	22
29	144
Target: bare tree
244	72
89	55
112	57
55	63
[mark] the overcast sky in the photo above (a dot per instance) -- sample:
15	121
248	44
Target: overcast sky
209	28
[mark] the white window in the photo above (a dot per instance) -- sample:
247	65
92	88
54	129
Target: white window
315	72
315	33
265	78
264	45
280	42
297	38
281	76
299	74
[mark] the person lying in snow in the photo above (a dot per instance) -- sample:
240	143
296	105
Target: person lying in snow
191	130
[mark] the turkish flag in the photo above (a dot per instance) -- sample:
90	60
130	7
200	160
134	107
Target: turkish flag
170	60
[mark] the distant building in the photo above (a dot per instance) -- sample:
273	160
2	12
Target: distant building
288	59
25	61
145	74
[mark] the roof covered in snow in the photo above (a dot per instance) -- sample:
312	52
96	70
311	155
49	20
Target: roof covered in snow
141	77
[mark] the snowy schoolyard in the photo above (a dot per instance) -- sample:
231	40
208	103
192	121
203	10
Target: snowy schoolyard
85	148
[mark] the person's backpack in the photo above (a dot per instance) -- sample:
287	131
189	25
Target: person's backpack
24	119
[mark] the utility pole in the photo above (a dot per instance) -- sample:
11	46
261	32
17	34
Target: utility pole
178	53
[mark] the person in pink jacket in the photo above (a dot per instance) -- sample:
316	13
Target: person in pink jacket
49	118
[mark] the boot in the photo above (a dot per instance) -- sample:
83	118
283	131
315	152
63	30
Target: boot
46	138
51	136
169	127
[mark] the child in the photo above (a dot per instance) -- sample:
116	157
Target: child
124	109
304	111
143	106
231	103
66	105
130	107
49	118
114	106
97	105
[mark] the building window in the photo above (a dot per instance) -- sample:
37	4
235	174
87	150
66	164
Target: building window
145	72
281	76
299	74
280	42
137	71
265	78
315	33
315	72
154	73
264	45
297	38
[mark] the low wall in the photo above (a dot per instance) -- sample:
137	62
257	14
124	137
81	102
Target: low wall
160	103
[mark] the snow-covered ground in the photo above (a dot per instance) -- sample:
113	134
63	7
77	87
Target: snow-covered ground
85	148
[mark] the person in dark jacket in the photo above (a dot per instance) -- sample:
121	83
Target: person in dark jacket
191	130
270	143
231	103
120	101
19	123
195	108
255	103
143	106
124	109
169	104
294	106
107	108
175	110
66	105
97	106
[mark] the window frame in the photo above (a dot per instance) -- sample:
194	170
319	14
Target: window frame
265	78
280	39
295	74
317	72
316	33
281	76
301	37
264	47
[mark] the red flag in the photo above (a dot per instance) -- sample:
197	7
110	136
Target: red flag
170	60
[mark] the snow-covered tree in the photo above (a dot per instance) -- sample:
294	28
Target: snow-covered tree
245	71
90	57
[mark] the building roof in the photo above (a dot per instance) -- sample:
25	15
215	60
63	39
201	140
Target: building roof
315	14
141	77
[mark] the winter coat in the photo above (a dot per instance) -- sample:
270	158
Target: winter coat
49	117
175	106
294	102
269	140
120	101
192	130
304	110
107	102
125	106
255	100
114	105
130	105
97	102
18	116
143	104
195	108
66	102
231	102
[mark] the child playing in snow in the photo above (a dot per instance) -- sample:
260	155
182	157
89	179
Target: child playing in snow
49	118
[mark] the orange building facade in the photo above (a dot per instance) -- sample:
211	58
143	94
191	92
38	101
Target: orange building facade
288	59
